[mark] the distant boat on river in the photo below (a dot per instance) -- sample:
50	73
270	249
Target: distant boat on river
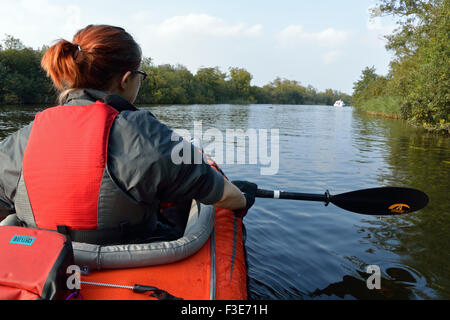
339	103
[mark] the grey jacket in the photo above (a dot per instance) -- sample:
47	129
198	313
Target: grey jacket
139	164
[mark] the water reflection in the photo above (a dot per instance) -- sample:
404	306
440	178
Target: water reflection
212	116
397	285
422	239
13	118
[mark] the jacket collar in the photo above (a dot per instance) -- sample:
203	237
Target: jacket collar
79	97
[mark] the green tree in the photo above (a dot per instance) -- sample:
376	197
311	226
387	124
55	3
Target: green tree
368	77
11	43
240	83
212	85
419	74
22	79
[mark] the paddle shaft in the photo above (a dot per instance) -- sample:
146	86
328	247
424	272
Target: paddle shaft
275	194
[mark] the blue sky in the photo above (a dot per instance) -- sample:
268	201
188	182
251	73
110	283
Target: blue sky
322	43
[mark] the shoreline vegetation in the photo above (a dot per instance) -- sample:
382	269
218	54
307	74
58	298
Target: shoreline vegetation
22	81
417	86
385	106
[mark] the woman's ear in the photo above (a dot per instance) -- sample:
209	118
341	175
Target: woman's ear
124	82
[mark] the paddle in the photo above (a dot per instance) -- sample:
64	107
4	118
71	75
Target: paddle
376	201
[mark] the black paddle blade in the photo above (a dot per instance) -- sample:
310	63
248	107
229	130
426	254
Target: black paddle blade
382	201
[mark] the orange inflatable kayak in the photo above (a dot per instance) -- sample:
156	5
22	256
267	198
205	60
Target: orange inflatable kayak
216	271
207	263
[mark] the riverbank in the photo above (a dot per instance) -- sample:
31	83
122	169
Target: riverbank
390	107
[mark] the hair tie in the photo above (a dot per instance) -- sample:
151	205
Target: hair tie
77	51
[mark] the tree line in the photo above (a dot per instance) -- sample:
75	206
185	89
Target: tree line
22	81
417	86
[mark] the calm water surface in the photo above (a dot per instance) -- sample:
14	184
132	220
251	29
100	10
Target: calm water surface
304	250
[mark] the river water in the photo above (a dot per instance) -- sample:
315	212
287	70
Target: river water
305	250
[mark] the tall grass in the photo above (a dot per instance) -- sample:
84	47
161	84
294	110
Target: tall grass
386	106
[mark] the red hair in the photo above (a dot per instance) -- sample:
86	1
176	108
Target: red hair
97	54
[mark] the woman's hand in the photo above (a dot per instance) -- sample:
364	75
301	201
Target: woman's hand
248	189
238	196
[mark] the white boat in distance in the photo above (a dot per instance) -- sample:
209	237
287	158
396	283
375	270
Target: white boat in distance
339	103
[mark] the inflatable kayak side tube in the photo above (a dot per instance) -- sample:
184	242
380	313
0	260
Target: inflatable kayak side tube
198	229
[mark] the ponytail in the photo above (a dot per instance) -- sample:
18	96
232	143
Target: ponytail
60	64
95	57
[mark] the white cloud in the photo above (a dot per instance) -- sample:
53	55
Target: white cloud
195	40
378	27
295	35
38	22
203	25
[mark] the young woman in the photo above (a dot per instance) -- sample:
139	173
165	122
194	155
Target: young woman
95	166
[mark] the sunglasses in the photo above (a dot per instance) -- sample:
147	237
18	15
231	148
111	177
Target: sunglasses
143	73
